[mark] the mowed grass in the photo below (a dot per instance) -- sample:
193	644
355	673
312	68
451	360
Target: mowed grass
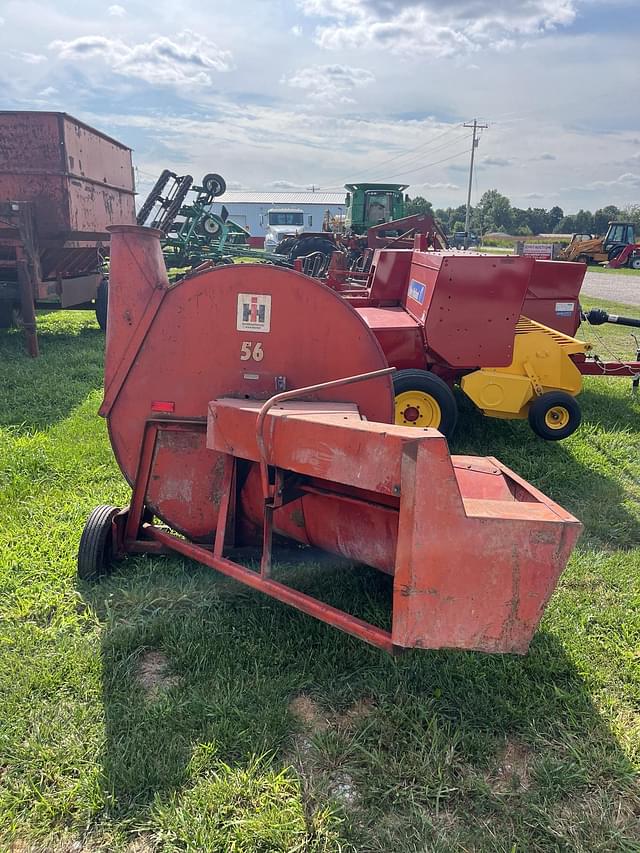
167	708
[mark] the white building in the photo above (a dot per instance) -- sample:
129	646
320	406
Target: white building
250	209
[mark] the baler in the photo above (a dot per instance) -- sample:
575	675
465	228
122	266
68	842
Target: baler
502	328
247	404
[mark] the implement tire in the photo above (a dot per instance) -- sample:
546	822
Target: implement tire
422	399
554	415
95	552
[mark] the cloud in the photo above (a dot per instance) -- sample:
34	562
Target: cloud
627	181
497	161
296	30
285	185
48	92
330	82
188	60
545	156
534	195
440	185
429	26
116	11
33	58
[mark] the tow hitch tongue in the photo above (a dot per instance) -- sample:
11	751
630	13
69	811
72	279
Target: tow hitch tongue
474	550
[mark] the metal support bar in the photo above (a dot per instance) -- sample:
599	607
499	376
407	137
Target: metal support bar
326	613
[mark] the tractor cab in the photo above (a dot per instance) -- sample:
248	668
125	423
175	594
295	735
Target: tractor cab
373	204
619	234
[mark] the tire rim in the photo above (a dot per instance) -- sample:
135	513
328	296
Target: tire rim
557	417
418	409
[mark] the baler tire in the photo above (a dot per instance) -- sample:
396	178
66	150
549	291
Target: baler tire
427	383
102	303
555	406
95	552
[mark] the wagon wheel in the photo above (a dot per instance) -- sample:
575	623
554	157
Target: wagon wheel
154	196
554	415
423	399
210	226
214	184
95	552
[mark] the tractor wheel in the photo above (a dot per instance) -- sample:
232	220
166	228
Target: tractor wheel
554	415
634	262
95	551
614	251
102	303
422	399
583	259
214	184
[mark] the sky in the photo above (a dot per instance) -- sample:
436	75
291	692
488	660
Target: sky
291	94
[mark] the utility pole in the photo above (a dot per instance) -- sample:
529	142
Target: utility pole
476	127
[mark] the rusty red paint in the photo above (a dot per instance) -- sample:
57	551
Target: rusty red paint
473	549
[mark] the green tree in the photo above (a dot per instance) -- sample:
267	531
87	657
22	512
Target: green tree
496	211
418	205
556	215
602	218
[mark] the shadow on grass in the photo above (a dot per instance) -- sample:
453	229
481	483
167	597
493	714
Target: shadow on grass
37	393
436	725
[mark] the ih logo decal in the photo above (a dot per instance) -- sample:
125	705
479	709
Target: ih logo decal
254	312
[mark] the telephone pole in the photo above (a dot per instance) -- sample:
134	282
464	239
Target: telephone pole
476	127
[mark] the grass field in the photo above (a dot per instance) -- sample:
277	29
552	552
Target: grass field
169	709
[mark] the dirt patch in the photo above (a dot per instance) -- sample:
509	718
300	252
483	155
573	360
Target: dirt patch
513	768
356	713
153	675
141	844
309	713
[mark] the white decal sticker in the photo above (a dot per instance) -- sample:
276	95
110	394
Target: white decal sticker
254	312
564	309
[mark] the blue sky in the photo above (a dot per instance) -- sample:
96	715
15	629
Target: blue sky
290	93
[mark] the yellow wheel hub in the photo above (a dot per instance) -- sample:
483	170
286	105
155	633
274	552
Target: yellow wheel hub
557	417
417	408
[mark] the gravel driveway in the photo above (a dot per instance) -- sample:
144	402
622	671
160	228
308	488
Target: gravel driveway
617	288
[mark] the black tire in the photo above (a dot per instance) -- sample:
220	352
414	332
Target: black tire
614	251
210	226
634	262
425	382
166	220
95	552
583	259
214	184
567	414
307	245
102	303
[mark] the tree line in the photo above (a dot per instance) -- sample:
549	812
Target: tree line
494	212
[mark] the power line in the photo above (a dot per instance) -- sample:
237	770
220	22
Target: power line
429	165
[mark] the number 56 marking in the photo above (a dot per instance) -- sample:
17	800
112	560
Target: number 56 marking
249	350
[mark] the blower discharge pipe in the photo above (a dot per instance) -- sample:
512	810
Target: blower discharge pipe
596	317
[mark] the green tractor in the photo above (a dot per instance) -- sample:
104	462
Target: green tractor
372	204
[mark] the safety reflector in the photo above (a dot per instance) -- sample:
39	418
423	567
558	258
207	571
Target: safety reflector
163	406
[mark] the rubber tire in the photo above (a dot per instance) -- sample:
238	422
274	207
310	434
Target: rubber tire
583	259
153	197
423	380
214	184
614	251
634	262
95	552
541	405
102	303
